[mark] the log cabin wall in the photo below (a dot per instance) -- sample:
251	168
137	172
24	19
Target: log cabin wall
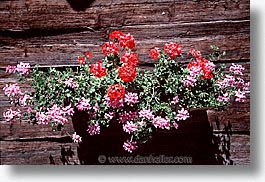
54	32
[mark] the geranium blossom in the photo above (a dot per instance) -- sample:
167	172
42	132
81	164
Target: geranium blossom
127	116
23	68
146	113
172	49
83	104
76	138
71	83
189	81
56	114
224	98
93	129
131	98
116	103
116	92
130	146
236	69
175	100
109	115
127	73
163	123
81	60
131	58
110	48
11	114
130	127
97	69
182	115
195	53
12	90
154	53
240	96
126	40
11	69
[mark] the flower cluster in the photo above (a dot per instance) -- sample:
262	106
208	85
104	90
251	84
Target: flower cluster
115	89
97	70
127	73
21	69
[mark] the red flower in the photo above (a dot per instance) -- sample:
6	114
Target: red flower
205	66
130	58
110	47
88	55
172	49
127	40
154	53
116	92
195	53
127	73
116	35
97	69
81	60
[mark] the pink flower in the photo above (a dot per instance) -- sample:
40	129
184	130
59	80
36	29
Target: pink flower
29	110
68	110
146	113
131	98
56	114
130	146
130	127
11	69
23	99
236	69
42	118
96	107
189	81
194	71
175	100
163	123
23	68
246	86
71	83
224	98
11	114
176	125
240	96
93	129
127	116
12	90
109	115
182	115
116	103
83	104
76	138
228	81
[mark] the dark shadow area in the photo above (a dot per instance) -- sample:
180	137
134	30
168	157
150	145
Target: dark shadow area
194	143
80	5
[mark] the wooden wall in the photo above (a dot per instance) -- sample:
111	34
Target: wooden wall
55	32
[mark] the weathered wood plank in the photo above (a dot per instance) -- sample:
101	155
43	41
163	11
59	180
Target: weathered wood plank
25	131
232	37
13	152
59	14
240	149
236	46
36	153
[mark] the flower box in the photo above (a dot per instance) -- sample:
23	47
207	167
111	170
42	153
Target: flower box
192	141
119	109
